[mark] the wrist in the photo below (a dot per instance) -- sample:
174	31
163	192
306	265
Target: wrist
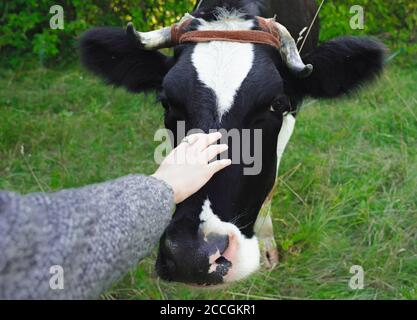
170	185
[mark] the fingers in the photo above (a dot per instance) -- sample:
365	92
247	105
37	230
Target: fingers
212	138
200	148
216	166
193	138
187	141
205	140
214	150
201	140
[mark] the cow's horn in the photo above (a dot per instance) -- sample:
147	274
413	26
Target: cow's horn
153	40
290	54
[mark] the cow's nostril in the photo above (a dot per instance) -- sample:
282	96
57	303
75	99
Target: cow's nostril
222	260
222	266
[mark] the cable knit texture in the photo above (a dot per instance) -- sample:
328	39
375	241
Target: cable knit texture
96	234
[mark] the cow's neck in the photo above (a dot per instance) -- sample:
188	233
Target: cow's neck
263	227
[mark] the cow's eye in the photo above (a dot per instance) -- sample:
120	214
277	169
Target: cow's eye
280	104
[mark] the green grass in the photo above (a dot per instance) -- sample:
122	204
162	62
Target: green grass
347	194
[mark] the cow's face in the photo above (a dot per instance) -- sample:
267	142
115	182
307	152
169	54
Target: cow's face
230	86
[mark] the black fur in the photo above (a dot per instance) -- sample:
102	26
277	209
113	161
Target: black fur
108	53
341	66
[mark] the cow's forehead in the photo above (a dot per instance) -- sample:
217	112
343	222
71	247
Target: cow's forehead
209	79
223	66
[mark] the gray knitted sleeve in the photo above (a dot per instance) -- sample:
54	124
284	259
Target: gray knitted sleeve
75	243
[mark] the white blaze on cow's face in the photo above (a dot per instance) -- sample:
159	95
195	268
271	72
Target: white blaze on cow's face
223	66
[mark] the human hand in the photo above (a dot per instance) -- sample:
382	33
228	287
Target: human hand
187	169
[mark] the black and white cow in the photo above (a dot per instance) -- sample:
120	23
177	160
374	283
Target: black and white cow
228	85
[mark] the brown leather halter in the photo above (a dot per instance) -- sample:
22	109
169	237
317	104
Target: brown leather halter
269	34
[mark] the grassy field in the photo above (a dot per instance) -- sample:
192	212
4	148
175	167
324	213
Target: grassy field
347	195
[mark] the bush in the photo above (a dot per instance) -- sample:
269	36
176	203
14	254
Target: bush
24	24
395	21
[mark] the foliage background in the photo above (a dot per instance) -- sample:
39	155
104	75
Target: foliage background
24	24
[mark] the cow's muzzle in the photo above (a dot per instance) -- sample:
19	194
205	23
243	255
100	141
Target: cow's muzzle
194	261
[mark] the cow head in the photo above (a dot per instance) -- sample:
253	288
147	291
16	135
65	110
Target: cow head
225	85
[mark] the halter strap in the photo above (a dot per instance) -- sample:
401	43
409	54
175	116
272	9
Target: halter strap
269	34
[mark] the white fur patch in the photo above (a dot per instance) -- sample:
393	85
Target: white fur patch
284	136
245	256
223	66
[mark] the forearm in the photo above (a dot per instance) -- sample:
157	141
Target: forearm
94	233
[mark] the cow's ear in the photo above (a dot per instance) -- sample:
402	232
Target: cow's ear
340	66
108	53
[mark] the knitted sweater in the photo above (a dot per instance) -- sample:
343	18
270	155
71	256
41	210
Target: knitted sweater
75	243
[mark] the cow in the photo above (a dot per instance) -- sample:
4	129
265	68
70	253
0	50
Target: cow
211	239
